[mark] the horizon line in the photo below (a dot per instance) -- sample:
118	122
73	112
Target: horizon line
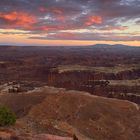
28	45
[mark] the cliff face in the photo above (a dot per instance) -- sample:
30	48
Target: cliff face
95	83
79	80
84	76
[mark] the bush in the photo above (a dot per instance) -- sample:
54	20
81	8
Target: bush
7	117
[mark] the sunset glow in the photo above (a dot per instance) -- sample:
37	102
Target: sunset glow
73	22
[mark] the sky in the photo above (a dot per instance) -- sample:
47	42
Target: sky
69	22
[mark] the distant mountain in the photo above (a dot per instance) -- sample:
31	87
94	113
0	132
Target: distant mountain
113	46
117	47
97	46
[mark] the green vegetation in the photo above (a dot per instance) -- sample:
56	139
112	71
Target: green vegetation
7	117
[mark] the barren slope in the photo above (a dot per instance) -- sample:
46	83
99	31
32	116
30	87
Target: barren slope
64	113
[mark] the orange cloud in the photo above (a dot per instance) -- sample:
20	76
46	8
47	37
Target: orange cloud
60	18
42	9
93	20
65	35
58	12
121	28
50	28
54	10
18	18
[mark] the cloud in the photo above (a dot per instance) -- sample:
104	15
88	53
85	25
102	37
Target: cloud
52	16
88	36
93	20
138	22
17	19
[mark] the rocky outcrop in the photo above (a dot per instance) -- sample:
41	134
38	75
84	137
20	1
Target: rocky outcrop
63	113
50	137
9	134
125	96
89	117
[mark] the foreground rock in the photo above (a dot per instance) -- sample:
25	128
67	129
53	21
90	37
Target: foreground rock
64	113
89	117
50	137
7	134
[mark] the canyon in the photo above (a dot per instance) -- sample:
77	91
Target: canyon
81	92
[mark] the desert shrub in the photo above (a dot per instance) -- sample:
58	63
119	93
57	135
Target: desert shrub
7	117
